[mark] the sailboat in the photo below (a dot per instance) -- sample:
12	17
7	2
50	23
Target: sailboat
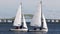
19	21
38	20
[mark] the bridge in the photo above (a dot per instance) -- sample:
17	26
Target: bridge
27	16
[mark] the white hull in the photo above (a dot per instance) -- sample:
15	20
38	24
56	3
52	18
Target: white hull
43	30
22	30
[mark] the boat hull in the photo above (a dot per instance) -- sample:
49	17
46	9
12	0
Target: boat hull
43	30
21	30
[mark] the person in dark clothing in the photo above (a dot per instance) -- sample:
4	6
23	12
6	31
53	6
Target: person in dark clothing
21	26
40	28
34	28
17	27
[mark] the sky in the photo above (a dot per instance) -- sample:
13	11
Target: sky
50	8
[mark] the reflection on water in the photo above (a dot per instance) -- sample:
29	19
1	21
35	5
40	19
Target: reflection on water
30	32
39	32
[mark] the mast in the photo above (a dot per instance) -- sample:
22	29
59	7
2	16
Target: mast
44	24
41	15
23	18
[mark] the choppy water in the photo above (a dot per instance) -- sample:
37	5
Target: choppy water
54	28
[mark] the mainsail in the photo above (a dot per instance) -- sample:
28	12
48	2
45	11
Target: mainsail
36	20
17	21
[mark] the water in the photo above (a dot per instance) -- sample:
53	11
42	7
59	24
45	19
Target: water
54	28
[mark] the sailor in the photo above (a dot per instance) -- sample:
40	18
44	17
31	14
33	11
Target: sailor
17	27
21	26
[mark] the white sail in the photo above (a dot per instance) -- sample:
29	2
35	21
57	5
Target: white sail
24	22
44	22
36	20
17	21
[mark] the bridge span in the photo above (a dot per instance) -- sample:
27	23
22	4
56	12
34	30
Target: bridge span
28	18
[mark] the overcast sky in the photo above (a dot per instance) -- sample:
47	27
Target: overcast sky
51	8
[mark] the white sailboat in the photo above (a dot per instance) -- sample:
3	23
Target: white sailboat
39	21
20	26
